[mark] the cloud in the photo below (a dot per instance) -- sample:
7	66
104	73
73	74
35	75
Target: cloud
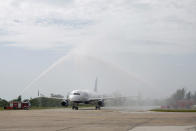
62	22
138	26
148	38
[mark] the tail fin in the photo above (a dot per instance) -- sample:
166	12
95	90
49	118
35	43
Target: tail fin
95	89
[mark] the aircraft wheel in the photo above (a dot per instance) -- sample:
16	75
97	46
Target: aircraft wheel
97	108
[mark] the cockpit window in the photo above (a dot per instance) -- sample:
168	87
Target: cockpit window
76	93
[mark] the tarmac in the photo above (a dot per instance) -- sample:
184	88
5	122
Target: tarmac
95	120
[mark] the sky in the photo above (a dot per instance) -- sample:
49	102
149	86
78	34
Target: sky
133	47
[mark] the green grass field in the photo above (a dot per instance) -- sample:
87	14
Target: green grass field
174	110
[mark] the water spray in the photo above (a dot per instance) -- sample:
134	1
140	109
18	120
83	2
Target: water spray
60	60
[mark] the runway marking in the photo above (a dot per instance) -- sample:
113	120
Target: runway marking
165	128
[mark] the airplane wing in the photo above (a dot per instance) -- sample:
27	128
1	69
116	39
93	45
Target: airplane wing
108	98
95	99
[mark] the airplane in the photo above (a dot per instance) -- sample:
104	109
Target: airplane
76	97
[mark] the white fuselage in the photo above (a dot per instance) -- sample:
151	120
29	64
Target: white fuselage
81	96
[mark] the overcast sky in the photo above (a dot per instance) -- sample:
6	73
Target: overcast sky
132	46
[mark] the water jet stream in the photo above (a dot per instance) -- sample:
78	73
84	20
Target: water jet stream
45	72
78	57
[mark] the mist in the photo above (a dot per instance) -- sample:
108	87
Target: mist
80	72
132	47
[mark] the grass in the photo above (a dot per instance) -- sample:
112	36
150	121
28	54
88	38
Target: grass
174	110
1	108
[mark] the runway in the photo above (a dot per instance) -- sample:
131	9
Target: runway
95	120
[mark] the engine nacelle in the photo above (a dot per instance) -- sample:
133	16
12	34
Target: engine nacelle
65	103
100	103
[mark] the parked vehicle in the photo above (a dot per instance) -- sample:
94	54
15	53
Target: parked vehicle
17	105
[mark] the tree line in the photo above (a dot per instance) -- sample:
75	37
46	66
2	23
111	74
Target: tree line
182	94
53	101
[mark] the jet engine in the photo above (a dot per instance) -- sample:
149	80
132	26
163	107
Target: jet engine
100	103
65	103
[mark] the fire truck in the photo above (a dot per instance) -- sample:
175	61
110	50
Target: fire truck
17	105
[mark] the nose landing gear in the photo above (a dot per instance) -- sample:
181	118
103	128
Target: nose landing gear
74	107
97	107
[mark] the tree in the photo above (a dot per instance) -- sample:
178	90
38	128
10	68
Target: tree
194	97
179	95
45	102
3	102
19	98
188	95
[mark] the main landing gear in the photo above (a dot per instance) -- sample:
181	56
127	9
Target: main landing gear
75	106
